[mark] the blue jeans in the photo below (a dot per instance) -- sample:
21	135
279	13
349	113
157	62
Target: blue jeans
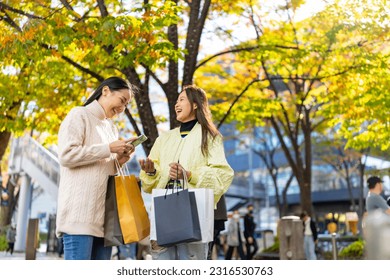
85	247
309	247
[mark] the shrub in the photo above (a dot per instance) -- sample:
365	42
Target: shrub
274	248
3	242
354	251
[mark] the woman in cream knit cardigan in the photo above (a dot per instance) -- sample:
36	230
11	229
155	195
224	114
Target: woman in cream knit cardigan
87	147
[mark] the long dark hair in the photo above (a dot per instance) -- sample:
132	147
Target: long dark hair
114	83
197	96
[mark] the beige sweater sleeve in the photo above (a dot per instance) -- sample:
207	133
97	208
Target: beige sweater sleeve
72	151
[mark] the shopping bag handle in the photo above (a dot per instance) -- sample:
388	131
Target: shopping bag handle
120	170
175	182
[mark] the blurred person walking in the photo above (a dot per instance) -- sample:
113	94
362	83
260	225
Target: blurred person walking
11	238
249	233
234	237
310	236
374	200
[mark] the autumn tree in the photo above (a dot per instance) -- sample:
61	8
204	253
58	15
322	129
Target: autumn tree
297	75
54	52
59	50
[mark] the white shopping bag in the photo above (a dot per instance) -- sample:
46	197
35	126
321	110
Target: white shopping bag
205	205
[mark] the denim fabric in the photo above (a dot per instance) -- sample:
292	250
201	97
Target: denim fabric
85	247
309	247
185	251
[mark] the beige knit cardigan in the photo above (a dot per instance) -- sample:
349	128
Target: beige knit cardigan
86	163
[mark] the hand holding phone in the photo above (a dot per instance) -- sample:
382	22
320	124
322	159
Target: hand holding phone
142	138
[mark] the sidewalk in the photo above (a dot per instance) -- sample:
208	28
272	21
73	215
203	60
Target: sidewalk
22	256
40	255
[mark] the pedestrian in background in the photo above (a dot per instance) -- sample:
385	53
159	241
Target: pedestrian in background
234	237
220	217
249	233
89	152
310	235
11	237
196	148
374	200
60	247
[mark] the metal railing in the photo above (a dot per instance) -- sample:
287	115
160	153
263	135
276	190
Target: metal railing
43	159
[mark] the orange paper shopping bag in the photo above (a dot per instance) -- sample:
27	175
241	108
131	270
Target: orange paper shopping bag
133	217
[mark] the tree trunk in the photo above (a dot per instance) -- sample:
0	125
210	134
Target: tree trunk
4	140
198	16
362	167
306	201
172	86
349	186
301	170
144	108
4	210
284	196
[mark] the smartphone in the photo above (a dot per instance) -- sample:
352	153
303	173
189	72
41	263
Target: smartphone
142	138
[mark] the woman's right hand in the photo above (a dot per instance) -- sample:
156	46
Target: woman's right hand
122	147
147	165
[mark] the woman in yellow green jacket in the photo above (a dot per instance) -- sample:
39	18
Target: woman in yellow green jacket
196	147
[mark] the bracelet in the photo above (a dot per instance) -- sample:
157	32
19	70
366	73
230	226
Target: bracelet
151	173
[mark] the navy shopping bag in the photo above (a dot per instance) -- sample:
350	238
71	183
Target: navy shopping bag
176	218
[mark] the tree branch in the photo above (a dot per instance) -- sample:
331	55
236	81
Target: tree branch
8	20
75	64
82	68
154	76
133	122
240	50
102	8
195	26
203	62
67	5
236	100
6	7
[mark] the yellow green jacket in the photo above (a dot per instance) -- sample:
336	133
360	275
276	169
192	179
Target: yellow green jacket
207	172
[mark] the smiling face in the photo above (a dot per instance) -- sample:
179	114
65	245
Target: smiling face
114	102
185	112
